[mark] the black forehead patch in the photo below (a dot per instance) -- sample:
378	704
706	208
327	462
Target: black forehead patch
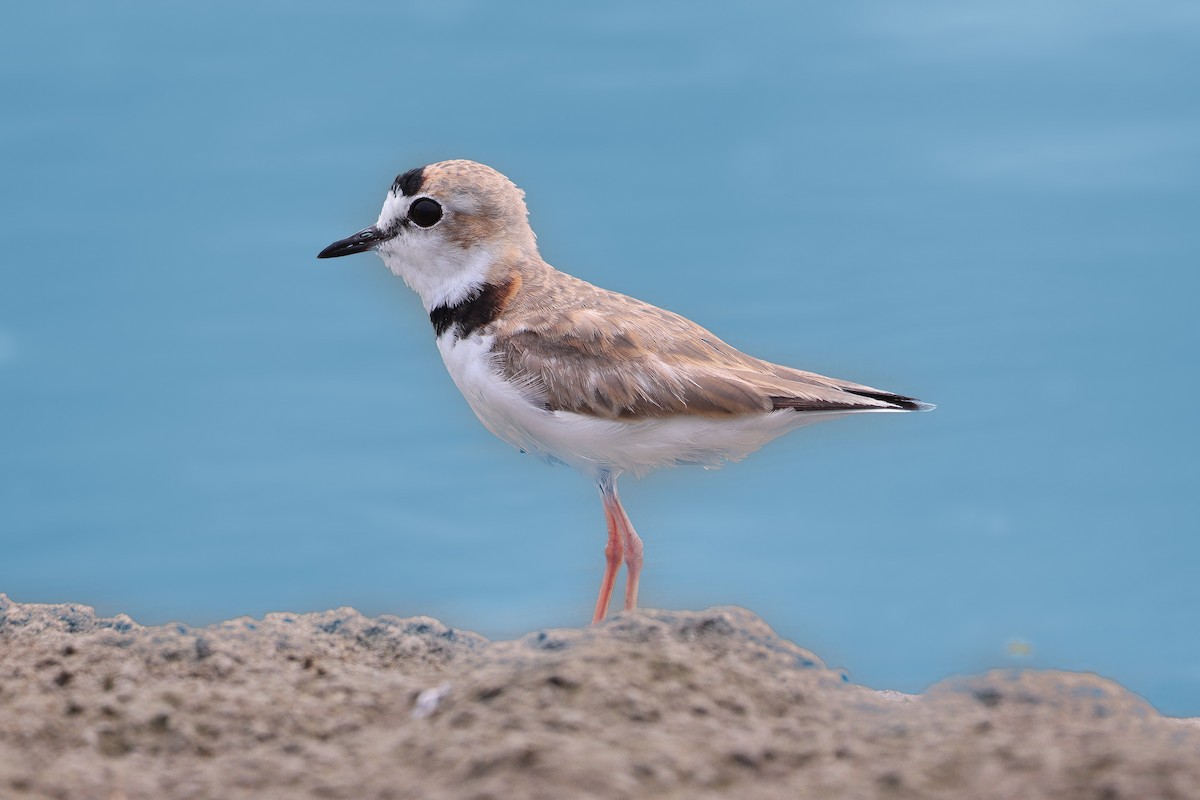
410	182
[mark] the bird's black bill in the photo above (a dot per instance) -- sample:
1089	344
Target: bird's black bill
360	242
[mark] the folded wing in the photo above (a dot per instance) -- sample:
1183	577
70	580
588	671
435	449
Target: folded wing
615	357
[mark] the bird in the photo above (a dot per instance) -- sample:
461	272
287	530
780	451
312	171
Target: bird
574	373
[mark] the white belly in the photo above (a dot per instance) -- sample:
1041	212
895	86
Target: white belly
593	445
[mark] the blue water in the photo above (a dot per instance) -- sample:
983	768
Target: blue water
995	208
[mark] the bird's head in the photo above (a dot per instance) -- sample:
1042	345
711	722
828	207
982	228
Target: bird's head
443	227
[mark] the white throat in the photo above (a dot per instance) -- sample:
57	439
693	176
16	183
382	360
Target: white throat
440	272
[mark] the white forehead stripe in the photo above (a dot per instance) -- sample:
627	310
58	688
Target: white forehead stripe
395	206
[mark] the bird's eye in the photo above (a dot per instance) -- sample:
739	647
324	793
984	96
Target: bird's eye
425	212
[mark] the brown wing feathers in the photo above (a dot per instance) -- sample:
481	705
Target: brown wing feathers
607	355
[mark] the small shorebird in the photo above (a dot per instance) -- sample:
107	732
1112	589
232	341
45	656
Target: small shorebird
571	372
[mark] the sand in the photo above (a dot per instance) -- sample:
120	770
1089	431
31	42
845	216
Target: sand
656	704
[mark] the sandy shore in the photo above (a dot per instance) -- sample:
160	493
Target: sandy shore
656	704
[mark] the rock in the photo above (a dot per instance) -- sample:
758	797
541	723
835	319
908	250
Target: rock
652	704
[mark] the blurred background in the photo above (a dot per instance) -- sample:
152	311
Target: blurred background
994	207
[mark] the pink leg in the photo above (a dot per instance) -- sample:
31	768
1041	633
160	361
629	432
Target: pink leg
623	541
633	551
613	555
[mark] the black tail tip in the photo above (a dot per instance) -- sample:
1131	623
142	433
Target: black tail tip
898	401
